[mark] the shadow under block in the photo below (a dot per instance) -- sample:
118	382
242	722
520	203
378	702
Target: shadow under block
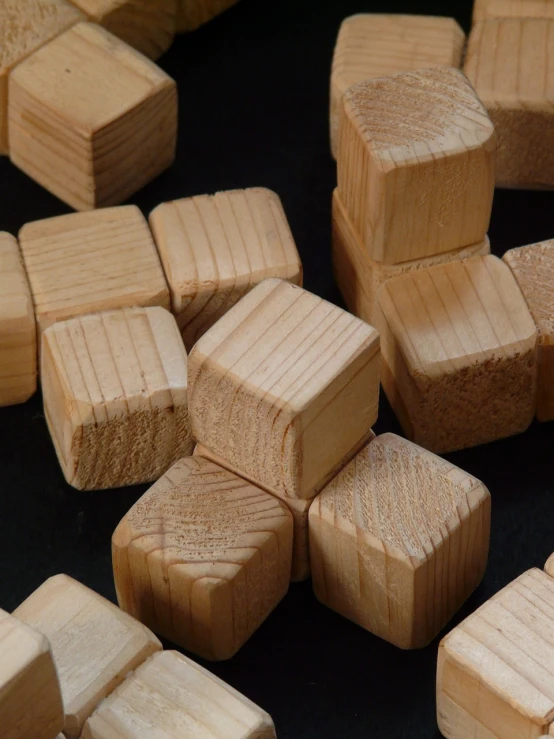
371	45
94	643
284	387
91	119
203	558
215	248
484	10
191	14
172	696
416	164
459	354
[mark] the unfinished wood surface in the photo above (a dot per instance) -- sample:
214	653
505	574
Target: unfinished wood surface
371	45
172	696
484	10
549	566
416	164
30	697
495	678
203	558
459	351
192	14
91	119
284	387
215	248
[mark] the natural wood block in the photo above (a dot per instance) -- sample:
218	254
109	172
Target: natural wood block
203	558
215	248
371	45
192	14
94	643
484	10
549	566
459	354
113	109
405	140
284	387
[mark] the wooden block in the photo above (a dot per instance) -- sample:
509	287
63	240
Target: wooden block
484	10
494	675
214	249
94	643
117	109
18	342
203	558
192	14
371	45
171	696
405	140
549	566
30	697
459	354
284	387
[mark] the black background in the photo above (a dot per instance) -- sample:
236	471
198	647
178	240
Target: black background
253	89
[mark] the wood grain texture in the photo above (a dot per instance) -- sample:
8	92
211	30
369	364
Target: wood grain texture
460	354
94	643
91	119
399	540
171	696
416	164
495	678
284	387
484	10
549	566
192	14
203	558
371	45
215	248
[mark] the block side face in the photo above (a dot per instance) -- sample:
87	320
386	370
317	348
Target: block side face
191	14
491	9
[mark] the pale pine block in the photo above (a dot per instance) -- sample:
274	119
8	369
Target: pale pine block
215	248
371	45
30	697
459	354
91	119
192	14
484	10
203	558
405	141
549	566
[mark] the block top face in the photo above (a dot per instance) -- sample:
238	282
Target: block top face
489	9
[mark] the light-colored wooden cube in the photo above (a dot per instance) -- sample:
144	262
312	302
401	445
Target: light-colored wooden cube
30	697
399	540
459	354
405	140
94	643
172	696
371	45
484	10
494	675
91	119
215	248
549	566
203	558
192	14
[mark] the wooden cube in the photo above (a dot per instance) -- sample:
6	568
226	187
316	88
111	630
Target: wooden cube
117	109
192	14
371	45
214	249
94	643
405	140
284	387
30	697
170	695
203	558
484	10
494	675
549	566
459	354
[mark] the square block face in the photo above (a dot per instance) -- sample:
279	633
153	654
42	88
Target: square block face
215	248
459	354
399	540
117	109
284	387
484	10
192	14
405	140
203	558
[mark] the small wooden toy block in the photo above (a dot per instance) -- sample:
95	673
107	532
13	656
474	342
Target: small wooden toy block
203	558
274	379
115	396
94	644
399	540
405	140
117	110
171	696
371	45
30	697
494	674
192	14
214	249
484	10
459	354
549	566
